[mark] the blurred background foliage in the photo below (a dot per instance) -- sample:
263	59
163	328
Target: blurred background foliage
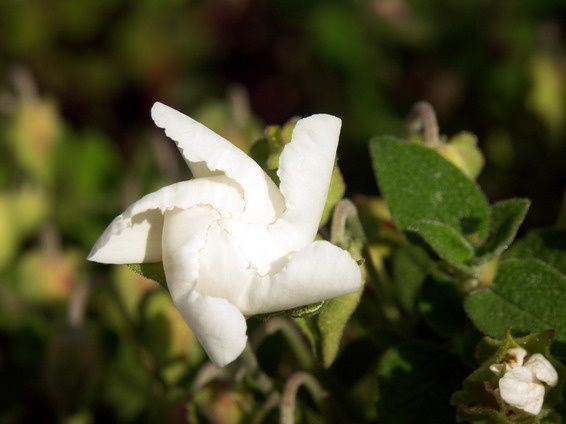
77	78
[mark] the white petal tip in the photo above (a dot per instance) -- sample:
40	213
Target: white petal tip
163	114
221	359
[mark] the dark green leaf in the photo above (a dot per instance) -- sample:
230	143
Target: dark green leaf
547	245
419	184
506	218
526	295
448	243
415	384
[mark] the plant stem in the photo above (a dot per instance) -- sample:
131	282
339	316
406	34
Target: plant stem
423	118
289	331
292	386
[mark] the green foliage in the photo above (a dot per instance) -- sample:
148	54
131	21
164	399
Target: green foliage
336	192
547	245
419	184
506	218
526	295
448	243
325	329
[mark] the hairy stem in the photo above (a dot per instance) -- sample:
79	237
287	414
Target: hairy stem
422	118
289	400
290	333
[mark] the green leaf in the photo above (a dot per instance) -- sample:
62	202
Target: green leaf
419	184
415	384
506	218
526	295
332	321
325	330
153	271
448	243
336	192
547	245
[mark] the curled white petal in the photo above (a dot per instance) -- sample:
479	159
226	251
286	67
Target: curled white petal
218	324
542	369
135	235
519	388
319	271
206	152
305	170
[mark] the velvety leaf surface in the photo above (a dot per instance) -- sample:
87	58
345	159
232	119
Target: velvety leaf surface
419	184
527	295
506	218
448	243
547	245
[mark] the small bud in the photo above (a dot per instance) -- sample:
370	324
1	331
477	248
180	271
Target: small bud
522	385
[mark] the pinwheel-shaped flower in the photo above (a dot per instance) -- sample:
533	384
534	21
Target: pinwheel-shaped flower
232	243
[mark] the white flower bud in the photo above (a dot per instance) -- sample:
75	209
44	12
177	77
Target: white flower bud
522	385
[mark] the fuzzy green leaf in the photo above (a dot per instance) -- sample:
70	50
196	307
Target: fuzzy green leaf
325	330
547	245
336	192
419	184
506	218
448	243
526	295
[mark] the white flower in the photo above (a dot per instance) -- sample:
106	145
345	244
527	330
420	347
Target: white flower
522	384
232	243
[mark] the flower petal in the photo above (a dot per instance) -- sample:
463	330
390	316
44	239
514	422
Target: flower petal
519	389
318	272
219	325
135	235
206	152
305	169
542	369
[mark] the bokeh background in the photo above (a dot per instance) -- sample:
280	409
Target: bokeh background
77	145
